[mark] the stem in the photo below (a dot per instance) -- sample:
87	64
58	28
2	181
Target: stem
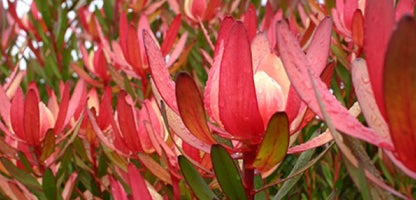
248	159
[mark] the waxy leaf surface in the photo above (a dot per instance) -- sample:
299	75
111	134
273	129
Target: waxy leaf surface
227	173
238	105
296	65
275	143
400	90
194	180
378	26
191	108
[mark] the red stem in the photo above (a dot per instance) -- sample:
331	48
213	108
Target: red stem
248	159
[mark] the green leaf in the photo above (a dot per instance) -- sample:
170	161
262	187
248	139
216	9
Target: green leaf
43	7
23	177
258	183
115	158
49	185
300	163
227	173
275	143
194	180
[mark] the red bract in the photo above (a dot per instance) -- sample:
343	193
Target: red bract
201	10
132	130
87	20
27	119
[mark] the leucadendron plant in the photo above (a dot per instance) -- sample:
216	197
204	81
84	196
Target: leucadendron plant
207	99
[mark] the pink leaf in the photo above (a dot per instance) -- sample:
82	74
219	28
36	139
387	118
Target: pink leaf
117	189
171	35
378	26
178	49
198	8
317	53
238	105
159	72
137	184
31	117
297	64
365	96
16	114
127	122
69	186
63	110
211	89
78	99
250	22
164	89
5	106
405	7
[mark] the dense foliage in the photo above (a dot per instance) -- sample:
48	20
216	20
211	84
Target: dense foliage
207	99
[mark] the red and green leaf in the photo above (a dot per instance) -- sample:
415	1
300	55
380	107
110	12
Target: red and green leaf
275	143
191	108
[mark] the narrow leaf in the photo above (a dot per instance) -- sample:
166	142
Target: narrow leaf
137	184
155	168
275	143
23	177
49	185
127	122
194	180
171	35
191	108
227	173
300	163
